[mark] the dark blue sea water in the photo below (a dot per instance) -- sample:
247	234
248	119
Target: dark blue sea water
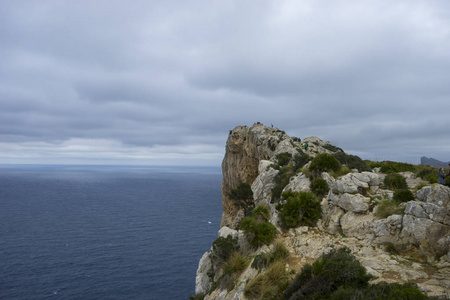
105	232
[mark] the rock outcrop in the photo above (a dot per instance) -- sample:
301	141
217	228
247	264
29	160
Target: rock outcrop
418	239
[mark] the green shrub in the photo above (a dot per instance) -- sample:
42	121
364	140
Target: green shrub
403	195
281	180
242	197
388	208
395	181
300	209
261	211
242	192
284	158
222	248
395	167
300	159
319	187
279	253
352	161
382	290
326	275
258	232
324	163
332	148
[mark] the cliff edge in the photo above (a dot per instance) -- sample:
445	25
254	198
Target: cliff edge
396	224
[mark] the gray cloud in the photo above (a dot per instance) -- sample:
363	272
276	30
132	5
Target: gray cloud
163	82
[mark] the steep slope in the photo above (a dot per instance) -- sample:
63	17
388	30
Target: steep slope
410	245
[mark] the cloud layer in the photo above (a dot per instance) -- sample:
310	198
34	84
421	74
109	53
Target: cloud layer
162	82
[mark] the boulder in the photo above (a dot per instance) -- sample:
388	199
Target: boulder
354	203
298	183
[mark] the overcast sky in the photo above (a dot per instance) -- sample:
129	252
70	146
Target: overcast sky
163	82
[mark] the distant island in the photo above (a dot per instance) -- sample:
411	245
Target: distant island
433	162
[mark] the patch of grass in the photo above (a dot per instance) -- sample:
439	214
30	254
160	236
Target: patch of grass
403	195
300	209
278	253
390	248
235	264
268	285
388	208
319	187
395	181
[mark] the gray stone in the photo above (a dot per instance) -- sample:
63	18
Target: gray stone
298	183
203	282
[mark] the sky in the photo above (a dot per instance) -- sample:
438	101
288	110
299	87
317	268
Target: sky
163	82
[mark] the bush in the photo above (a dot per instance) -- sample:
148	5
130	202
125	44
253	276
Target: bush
284	158
300	159
395	181
395	167
352	161
300	209
403	195
258	232
388	208
324	163
382	290
222	248
281	180
261	211
326	275
235	264
242	192
269	285
279	253
319	187
332	148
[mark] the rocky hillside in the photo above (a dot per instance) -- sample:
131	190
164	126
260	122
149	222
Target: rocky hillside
394	223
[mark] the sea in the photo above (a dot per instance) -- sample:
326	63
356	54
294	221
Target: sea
105	232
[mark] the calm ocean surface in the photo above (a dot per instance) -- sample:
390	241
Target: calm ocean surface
105	232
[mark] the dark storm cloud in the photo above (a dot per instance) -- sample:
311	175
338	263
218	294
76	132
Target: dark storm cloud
163	82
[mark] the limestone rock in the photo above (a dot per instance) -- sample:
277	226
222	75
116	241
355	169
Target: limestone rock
351	183
356	225
264	183
298	183
203	282
355	203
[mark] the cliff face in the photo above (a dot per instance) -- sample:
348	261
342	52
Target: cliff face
245	148
420	232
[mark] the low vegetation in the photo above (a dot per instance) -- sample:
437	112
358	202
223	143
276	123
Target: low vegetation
270	284
339	275
258	230
242	197
403	195
395	181
388	208
299	209
324	162
279	253
319	187
352	161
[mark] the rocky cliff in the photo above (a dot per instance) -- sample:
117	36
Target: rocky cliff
409	245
